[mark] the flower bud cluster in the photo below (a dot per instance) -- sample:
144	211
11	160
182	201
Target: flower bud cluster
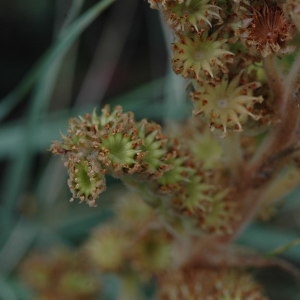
163	170
133	240
212	38
221	210
133	243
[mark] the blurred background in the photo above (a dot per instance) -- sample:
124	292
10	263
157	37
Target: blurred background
60	59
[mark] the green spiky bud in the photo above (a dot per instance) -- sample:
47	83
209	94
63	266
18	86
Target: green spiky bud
200	56
188	15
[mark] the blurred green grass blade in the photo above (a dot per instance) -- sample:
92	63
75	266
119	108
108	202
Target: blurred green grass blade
140	100
265	238
66	39
74	11
20	240
147	101
78	224
7	292
8	103
18	173
284	248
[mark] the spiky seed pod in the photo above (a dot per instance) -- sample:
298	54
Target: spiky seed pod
194	196
226	104
184	182
265	29
119	140
154	147
209	284
86	179
96	145
200	56
182	15
120	150
112	119
175	173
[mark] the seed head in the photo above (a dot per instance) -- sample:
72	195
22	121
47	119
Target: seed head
265	28
189	15
226	104
200	56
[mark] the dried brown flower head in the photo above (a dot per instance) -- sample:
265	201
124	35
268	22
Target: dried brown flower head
265	29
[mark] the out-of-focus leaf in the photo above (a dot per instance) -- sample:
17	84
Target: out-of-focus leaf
7	292
66	39
19	169
20	239
49	129
266	239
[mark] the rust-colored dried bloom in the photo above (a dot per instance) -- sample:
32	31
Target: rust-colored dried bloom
201	55
226	104
182	15
209	284
265	28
